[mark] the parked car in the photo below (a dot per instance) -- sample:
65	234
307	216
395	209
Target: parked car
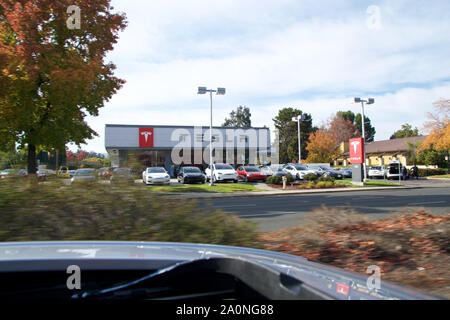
377	172
63	172
6	173
84	175
298	171
191	175
72	173
121	175
106	173
155	175
23	173
395	170
346	172
222	172
326	171
250	173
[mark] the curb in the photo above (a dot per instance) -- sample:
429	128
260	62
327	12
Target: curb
285	193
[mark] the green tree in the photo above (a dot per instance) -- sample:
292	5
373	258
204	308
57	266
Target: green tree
288	134
405	132
239	118
356	120
54	76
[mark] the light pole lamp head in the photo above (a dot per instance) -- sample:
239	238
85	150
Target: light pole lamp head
295	119
220	91
303	118
357	100
371	101
201	90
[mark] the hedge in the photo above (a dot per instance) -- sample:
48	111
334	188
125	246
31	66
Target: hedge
54	211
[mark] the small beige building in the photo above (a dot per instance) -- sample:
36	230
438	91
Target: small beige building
381	152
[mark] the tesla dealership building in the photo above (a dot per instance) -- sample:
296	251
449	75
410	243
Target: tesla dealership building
157	145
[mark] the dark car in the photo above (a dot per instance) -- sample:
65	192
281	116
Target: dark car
191	175
346	172
122	175
327	172
250	173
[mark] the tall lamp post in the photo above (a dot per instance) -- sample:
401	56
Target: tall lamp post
362	101
221	92
298	120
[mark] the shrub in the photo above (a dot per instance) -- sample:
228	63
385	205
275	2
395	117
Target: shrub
290	178
329	184
311	184
432	172
274	180
54	211
310	177
320	185
326	178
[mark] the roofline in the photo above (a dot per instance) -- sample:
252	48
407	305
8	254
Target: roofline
175	126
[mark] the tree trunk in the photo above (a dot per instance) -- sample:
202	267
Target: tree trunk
32	161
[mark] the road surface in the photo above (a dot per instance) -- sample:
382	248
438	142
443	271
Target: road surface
276	212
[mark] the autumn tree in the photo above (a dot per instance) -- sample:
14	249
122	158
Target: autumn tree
321	148
54	74
240	118
356	120
342	130
288	133
405	132
438	125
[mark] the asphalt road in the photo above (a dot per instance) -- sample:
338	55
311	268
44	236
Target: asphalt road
276	212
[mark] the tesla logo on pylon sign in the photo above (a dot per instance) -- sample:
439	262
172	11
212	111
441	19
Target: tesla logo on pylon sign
146	137
356	147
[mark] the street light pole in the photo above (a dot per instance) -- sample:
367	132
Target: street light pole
368	101
299	119
211	182
364	139
299	144
219	91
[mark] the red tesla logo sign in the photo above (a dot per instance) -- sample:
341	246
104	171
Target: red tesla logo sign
342	289
356	147
146	137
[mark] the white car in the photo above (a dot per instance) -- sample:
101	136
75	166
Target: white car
298	171
377	172
222	172
155	175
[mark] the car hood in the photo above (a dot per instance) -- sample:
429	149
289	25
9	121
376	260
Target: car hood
224	171
157	175
98	255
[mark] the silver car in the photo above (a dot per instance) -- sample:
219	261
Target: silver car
84	175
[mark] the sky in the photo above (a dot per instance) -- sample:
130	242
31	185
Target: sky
313	55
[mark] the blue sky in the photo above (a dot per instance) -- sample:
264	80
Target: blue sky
311	55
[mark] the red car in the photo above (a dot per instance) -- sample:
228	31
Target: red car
250	173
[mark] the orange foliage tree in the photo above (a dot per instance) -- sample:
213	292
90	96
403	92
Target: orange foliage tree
321	147
52	70
438	125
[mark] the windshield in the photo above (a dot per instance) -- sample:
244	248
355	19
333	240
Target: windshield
246	124
156	170
223	167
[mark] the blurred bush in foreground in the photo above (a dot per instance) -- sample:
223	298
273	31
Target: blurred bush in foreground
54	211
